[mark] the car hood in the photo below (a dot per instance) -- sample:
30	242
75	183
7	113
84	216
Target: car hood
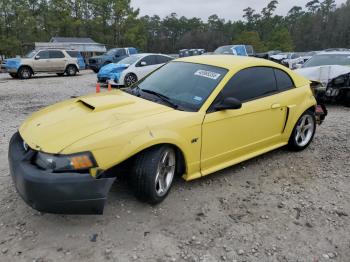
323	74
112	68
56	127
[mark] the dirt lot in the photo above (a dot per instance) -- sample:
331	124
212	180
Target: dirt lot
281	206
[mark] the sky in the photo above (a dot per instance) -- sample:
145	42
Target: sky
228	9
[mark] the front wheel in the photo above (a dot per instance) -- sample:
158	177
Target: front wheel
25	72
303	131
153	173
130	79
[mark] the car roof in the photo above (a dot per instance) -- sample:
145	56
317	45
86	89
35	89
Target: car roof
237	63
334	53
230	62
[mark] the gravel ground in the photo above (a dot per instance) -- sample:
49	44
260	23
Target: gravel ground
282	206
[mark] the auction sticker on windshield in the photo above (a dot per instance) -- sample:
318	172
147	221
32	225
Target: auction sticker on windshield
207	74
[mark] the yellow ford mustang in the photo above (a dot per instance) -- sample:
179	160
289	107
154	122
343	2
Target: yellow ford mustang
191	117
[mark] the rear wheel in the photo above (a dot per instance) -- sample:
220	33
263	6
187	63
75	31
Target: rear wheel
25	72
71	70
130	79
303	131
13	75
153	173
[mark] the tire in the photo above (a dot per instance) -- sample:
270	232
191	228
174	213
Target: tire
13	75
152	174
303	132
25	72
95	70
130	79
60	74
71	70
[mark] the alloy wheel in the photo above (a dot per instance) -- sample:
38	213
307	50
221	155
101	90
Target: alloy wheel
165	172
304	130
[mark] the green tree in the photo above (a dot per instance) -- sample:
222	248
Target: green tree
251	38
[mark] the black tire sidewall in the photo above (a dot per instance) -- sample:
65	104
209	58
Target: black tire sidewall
144	174
292	143
21	70
68	70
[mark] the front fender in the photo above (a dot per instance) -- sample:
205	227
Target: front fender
113	147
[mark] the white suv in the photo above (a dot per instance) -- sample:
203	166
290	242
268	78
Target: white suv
42	61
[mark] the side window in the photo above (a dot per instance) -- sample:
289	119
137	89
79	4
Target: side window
162	59
284	82
73	53
56	54
150	60
120	52
251	83
43	54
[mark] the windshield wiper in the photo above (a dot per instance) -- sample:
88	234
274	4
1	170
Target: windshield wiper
161	96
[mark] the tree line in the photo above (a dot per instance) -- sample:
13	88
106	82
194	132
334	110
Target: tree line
318	25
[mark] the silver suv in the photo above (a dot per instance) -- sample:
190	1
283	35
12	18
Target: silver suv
42	61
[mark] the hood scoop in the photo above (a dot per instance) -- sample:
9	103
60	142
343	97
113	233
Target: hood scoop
100	103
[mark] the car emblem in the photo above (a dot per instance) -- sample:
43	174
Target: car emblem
25	146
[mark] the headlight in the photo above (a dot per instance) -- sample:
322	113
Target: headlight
61	163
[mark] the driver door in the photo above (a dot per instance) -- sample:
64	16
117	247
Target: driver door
41	62
231	136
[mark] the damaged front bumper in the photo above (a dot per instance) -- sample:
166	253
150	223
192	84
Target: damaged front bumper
68	193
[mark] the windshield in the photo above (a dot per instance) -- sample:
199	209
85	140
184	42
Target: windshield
30	54
328	59
224	50
130	60
112	51
186	85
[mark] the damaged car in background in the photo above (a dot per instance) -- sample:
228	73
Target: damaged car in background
330	76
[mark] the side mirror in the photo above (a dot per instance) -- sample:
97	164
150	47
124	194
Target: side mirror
143	63
229	103
298	66
37	57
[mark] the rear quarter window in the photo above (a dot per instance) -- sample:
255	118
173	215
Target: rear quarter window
284	82
74	54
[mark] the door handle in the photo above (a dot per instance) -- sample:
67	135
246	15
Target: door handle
276	105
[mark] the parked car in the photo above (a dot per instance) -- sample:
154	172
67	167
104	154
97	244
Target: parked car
192	117
191	52
112	56
240	50
293	59
331	70
43	61
131	69
268	54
